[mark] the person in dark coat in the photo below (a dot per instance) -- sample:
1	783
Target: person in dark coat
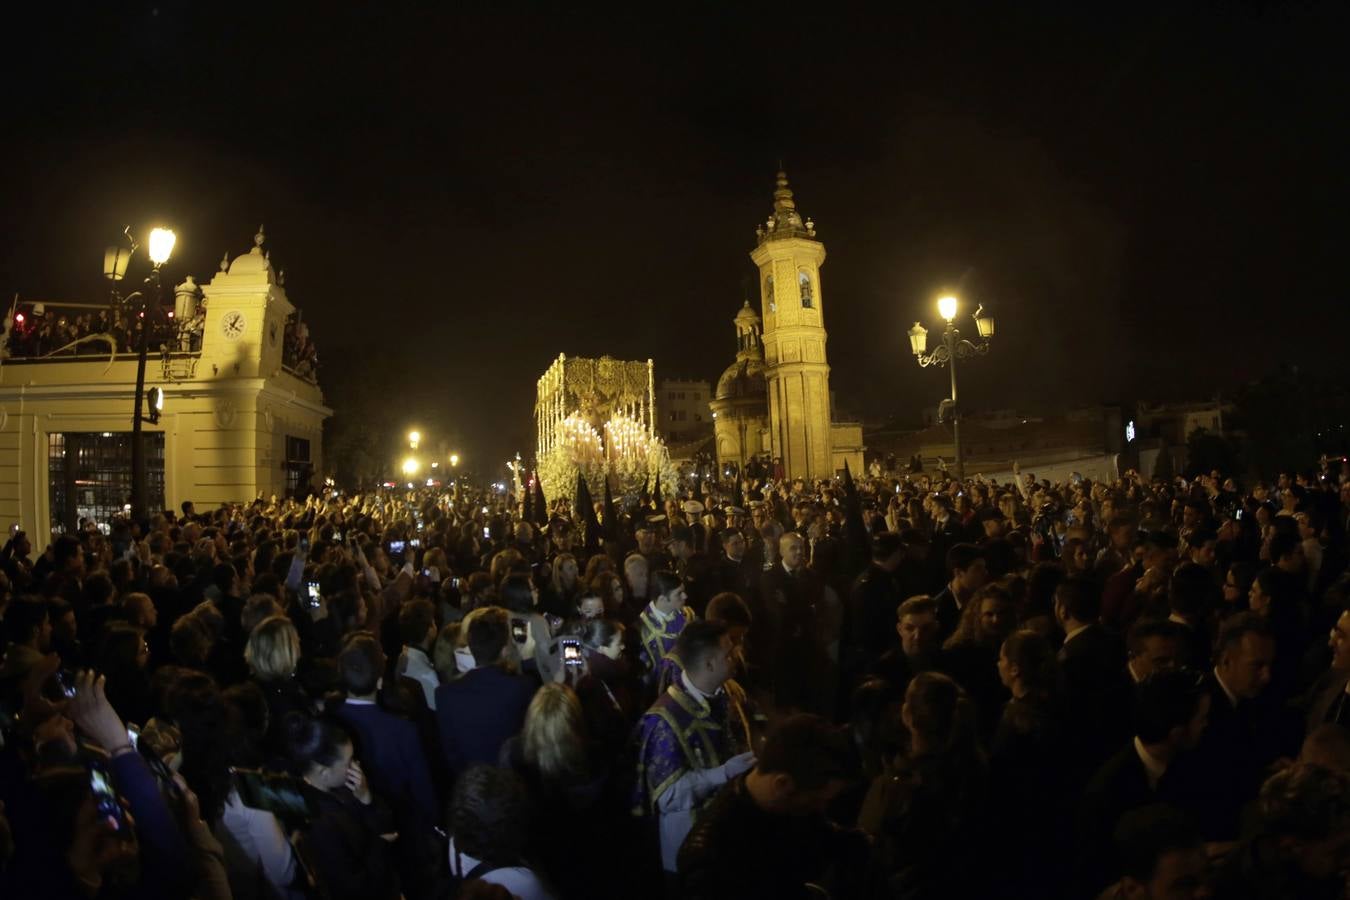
272	654
609	692
479	711
1027	766
388	745
765	834
1329	699
919	649
1299	850
1246	731
873	601
1171	709
1092	660
966	574
345	841
793	598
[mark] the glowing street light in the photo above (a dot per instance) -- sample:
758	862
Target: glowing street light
411	466
947	307
161	245
454	459
953	346
115	262
414	438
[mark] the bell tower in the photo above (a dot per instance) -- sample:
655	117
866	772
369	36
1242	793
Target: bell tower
789	259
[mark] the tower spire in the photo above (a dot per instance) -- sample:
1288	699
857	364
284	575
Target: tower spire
782	197
785	222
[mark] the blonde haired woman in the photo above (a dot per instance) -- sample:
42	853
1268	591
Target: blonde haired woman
564	586
554	742
272	654
553	757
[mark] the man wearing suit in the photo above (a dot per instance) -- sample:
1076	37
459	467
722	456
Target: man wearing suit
1243	735
1329	699
793	597
479	711
737	573
1191	594
873	602
1091	659
1171	709
919	649
388	745
393	757
947	531
967	573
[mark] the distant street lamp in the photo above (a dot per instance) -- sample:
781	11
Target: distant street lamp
414	438
411	466
115	262
953	347
454	459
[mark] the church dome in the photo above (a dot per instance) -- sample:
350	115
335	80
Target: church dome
743	378
254	262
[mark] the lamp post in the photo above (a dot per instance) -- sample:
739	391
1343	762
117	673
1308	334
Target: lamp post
115	265
953	347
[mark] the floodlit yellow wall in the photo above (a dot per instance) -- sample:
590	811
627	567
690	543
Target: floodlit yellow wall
227	412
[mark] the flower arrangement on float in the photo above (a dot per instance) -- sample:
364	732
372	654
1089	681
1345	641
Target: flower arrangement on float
577	449
627	454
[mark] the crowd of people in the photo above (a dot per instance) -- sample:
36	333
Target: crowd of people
910	687
37	332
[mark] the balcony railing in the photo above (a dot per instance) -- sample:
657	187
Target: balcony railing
68	332
47	331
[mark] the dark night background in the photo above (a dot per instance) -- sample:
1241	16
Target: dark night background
1150	198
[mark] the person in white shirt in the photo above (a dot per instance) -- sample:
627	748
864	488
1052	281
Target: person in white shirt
488	821
417	628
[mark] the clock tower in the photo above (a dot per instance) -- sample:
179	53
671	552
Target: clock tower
795	368
246	315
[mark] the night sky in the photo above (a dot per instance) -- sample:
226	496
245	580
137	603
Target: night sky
1151	199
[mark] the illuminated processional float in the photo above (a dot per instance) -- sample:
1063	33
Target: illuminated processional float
597	418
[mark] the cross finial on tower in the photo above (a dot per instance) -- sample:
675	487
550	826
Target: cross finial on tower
259	238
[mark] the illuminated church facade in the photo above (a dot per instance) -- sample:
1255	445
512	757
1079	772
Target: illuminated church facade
775	398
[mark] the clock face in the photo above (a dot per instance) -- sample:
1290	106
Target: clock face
232	325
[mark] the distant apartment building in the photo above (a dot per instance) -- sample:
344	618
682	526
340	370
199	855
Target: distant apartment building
683	410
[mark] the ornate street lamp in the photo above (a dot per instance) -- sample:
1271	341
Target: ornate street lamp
953	347
161	246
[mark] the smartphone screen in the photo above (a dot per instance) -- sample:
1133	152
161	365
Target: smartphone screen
313	589
105	799
396	547
571	653
486	533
